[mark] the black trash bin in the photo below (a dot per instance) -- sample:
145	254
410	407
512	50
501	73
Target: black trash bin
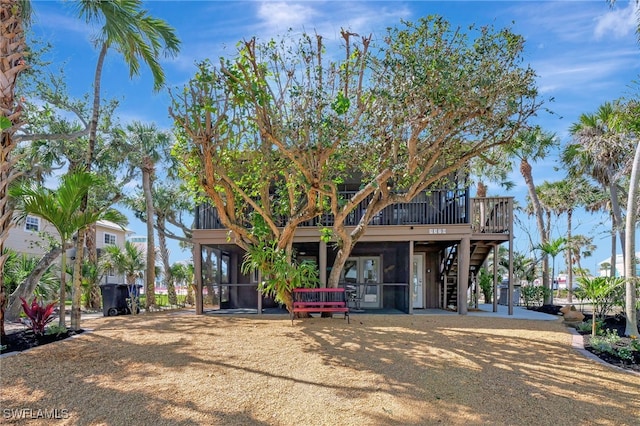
114	298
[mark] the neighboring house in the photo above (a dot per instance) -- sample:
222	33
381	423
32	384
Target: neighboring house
605	269
140	242
418	255
34	234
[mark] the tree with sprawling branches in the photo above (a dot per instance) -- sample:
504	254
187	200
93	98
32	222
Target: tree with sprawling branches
260	135
269	135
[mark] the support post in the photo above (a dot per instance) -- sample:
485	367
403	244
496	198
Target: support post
411	272
464	261
495	278
197	267
322	263
259	292
511	257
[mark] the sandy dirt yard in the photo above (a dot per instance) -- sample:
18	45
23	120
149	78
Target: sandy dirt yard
180	369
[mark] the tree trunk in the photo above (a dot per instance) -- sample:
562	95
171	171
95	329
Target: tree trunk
168	278
570	257
631	313
95	113
93	295
28	286
341	258
150	275
614	255
617	214
525	170
481	190
3	303
76	289
190	296
12	47
63	291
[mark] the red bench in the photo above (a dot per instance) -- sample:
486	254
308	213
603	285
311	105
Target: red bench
320	300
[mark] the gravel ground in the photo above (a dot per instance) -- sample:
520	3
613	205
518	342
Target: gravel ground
181	369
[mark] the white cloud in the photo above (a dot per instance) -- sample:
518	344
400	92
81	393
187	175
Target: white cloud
617	23
282	15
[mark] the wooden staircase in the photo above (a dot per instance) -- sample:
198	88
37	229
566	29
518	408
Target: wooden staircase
449	271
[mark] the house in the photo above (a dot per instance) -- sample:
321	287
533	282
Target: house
605	266
418	255
34	234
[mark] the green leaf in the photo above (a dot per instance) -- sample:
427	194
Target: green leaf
341	104
5	123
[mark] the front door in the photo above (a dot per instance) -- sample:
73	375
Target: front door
418	280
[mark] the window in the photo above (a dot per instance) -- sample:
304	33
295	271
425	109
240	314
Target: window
109	239
32	224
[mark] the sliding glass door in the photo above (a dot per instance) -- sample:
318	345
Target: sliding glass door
361	276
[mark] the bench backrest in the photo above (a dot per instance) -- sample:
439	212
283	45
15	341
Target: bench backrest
310	295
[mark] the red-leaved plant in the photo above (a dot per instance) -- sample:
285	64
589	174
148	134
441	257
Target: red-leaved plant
38	314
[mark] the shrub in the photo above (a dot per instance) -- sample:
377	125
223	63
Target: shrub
606	343
533	295
624	352
56	329
602	345
586	326
603	293
486	284
38	314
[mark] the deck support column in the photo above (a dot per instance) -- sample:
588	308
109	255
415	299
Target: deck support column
495	277
511	284
411	272
259	292
464	261
322	263
197	268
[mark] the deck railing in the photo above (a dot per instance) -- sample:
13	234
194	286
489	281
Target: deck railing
443	207
491	215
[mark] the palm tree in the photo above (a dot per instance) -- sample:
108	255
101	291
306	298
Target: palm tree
601	150
553	248
14	17
129	262
147	146
604	141
20	265
580	246
631	118
137	36
534	145
598	291
523	268
631	328
180	275
61	207
129	29
183	274
564	197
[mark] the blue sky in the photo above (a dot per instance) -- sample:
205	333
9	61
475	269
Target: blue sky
585	53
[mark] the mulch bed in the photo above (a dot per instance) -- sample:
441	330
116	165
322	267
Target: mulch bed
22	340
